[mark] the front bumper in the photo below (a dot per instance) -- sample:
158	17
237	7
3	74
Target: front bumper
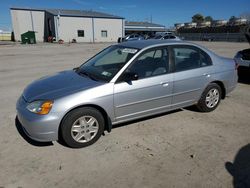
43	128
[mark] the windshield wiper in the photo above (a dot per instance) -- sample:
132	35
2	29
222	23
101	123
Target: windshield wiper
86	74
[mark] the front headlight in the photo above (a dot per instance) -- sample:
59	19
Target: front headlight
40	107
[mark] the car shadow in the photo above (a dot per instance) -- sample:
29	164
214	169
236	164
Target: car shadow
193	109
62	142
28	139
145	118
240	168
244	75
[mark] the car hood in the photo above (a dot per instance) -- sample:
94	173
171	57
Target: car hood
58	85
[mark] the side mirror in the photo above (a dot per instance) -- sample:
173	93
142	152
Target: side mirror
129	76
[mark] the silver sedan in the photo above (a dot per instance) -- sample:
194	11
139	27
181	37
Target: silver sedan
124	82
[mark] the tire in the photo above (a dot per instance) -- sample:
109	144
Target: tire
210	98
82	127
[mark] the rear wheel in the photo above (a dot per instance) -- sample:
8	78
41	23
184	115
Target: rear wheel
210	98
82	127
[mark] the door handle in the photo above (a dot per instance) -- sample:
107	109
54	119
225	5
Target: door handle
164	84
206	74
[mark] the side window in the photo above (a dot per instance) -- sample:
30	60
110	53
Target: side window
104	33
205	59
150	63
188	57
80	33
146	57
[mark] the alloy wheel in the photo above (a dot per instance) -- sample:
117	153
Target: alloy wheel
84	129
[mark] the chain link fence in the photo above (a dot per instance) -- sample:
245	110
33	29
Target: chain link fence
230	37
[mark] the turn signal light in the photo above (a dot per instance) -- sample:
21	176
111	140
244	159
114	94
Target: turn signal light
45	107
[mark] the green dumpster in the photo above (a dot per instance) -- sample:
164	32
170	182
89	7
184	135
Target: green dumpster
28	37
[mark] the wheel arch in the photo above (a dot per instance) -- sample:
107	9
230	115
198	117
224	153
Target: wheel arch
108	124
222	86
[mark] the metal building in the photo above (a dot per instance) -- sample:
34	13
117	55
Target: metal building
143	27
83	26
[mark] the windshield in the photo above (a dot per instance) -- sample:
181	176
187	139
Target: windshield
105	65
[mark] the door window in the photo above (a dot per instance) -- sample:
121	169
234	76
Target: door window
205	59
150	63
189	57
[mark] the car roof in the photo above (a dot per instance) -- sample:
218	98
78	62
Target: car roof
140	44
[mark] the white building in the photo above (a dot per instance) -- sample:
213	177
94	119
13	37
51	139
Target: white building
179	25
83	26
239	21
204	24
218	23
190	25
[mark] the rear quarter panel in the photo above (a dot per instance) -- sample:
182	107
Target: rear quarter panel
224	70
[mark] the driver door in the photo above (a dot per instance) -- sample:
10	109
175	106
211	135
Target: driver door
151	92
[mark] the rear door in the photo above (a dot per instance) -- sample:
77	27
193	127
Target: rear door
192	68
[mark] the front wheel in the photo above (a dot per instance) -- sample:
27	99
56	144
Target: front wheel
82	127
210	98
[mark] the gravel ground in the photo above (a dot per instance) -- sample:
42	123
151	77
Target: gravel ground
183	148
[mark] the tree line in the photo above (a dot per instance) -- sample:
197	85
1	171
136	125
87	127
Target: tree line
198	18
